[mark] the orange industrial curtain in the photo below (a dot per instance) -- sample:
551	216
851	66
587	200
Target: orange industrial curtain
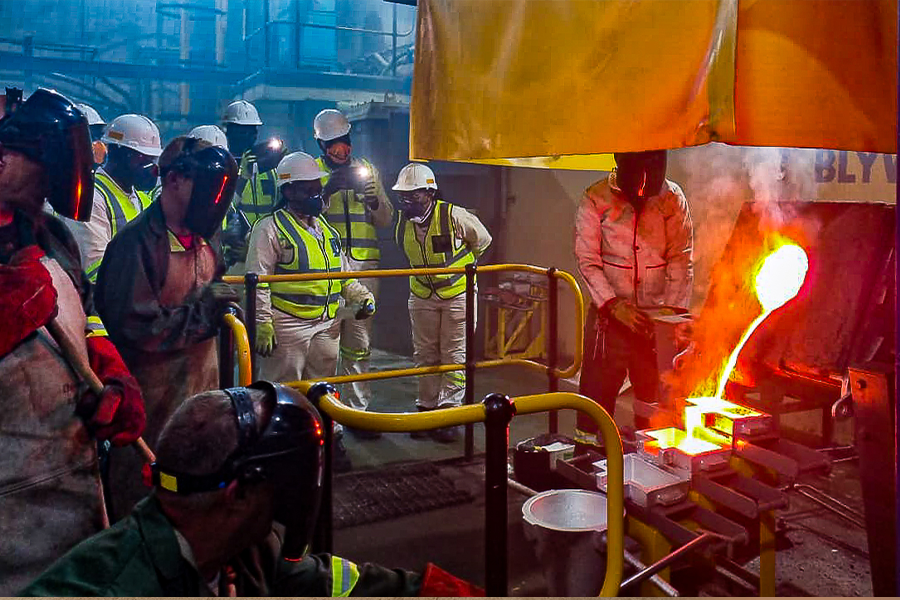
563	81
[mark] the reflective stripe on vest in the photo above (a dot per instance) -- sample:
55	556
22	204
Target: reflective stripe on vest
347	214
344	575
451	252
259	198
119	210
307	299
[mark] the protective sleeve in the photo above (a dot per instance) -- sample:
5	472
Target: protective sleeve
27	297
262	257
679	251
384	214
351	289
127	297
471	230
589	247
330	576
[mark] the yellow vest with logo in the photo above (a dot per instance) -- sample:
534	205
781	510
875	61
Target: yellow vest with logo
119	209
255	194
306	254
347	213
441	248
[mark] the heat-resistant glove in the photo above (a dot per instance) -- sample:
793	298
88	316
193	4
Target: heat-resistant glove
631	316
117	412
216	297
438	582
366	310
265	339
27	297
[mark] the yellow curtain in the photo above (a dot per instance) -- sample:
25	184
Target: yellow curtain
550	80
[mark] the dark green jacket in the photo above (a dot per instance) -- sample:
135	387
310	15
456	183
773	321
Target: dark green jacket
140	556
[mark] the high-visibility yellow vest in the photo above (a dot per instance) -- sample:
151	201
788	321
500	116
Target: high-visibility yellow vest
307	299
255	194
441	248
347	213
119	210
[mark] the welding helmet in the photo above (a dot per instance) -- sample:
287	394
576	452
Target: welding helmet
640	175
50	130
288	453
214	173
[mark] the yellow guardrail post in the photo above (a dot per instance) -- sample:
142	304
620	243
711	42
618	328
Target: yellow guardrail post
497	410
242	345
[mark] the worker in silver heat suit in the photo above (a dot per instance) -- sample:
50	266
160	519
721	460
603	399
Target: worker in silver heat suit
633	244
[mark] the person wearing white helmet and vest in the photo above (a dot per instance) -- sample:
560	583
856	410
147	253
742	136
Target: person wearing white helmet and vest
96	124
356	204
634	244
434	233
121	187
296	326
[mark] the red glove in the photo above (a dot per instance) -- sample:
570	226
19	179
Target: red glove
438	582
27	297
117	414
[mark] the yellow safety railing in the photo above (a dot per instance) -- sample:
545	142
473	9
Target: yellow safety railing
475	413
242	344
382	273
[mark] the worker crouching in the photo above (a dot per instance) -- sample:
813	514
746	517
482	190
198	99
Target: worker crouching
435	233
297	332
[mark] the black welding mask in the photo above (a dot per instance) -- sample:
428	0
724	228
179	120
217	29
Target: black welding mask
289	453
50	130
640	175
214	173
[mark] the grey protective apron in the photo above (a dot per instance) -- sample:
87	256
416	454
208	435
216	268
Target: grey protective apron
49	483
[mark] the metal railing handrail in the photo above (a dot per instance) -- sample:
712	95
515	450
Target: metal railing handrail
474	413
242	343
382	273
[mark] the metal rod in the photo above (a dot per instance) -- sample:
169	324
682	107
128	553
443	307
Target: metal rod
664	586
667	560
844	511
522	489
552	342
499	410
251	282
470	356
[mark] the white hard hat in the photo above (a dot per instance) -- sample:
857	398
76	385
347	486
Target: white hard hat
415	176
241	112
136	132
92	115
211	134
297	166
330	124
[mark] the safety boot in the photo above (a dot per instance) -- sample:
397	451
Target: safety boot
420	435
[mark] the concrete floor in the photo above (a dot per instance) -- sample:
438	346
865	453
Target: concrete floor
819	554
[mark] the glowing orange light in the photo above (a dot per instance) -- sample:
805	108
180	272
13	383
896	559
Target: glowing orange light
676	438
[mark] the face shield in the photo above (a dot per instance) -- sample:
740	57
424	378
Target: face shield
50	130
214	173
288	453
640	175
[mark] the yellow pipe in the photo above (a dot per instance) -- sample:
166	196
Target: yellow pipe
381	273
242	344
473	413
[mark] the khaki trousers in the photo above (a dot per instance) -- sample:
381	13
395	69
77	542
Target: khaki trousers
354	347
439	337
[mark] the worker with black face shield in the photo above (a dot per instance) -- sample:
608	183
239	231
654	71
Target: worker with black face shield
49	478
237	483
160	294
434	233
633	244
356	206
298	323
121	187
